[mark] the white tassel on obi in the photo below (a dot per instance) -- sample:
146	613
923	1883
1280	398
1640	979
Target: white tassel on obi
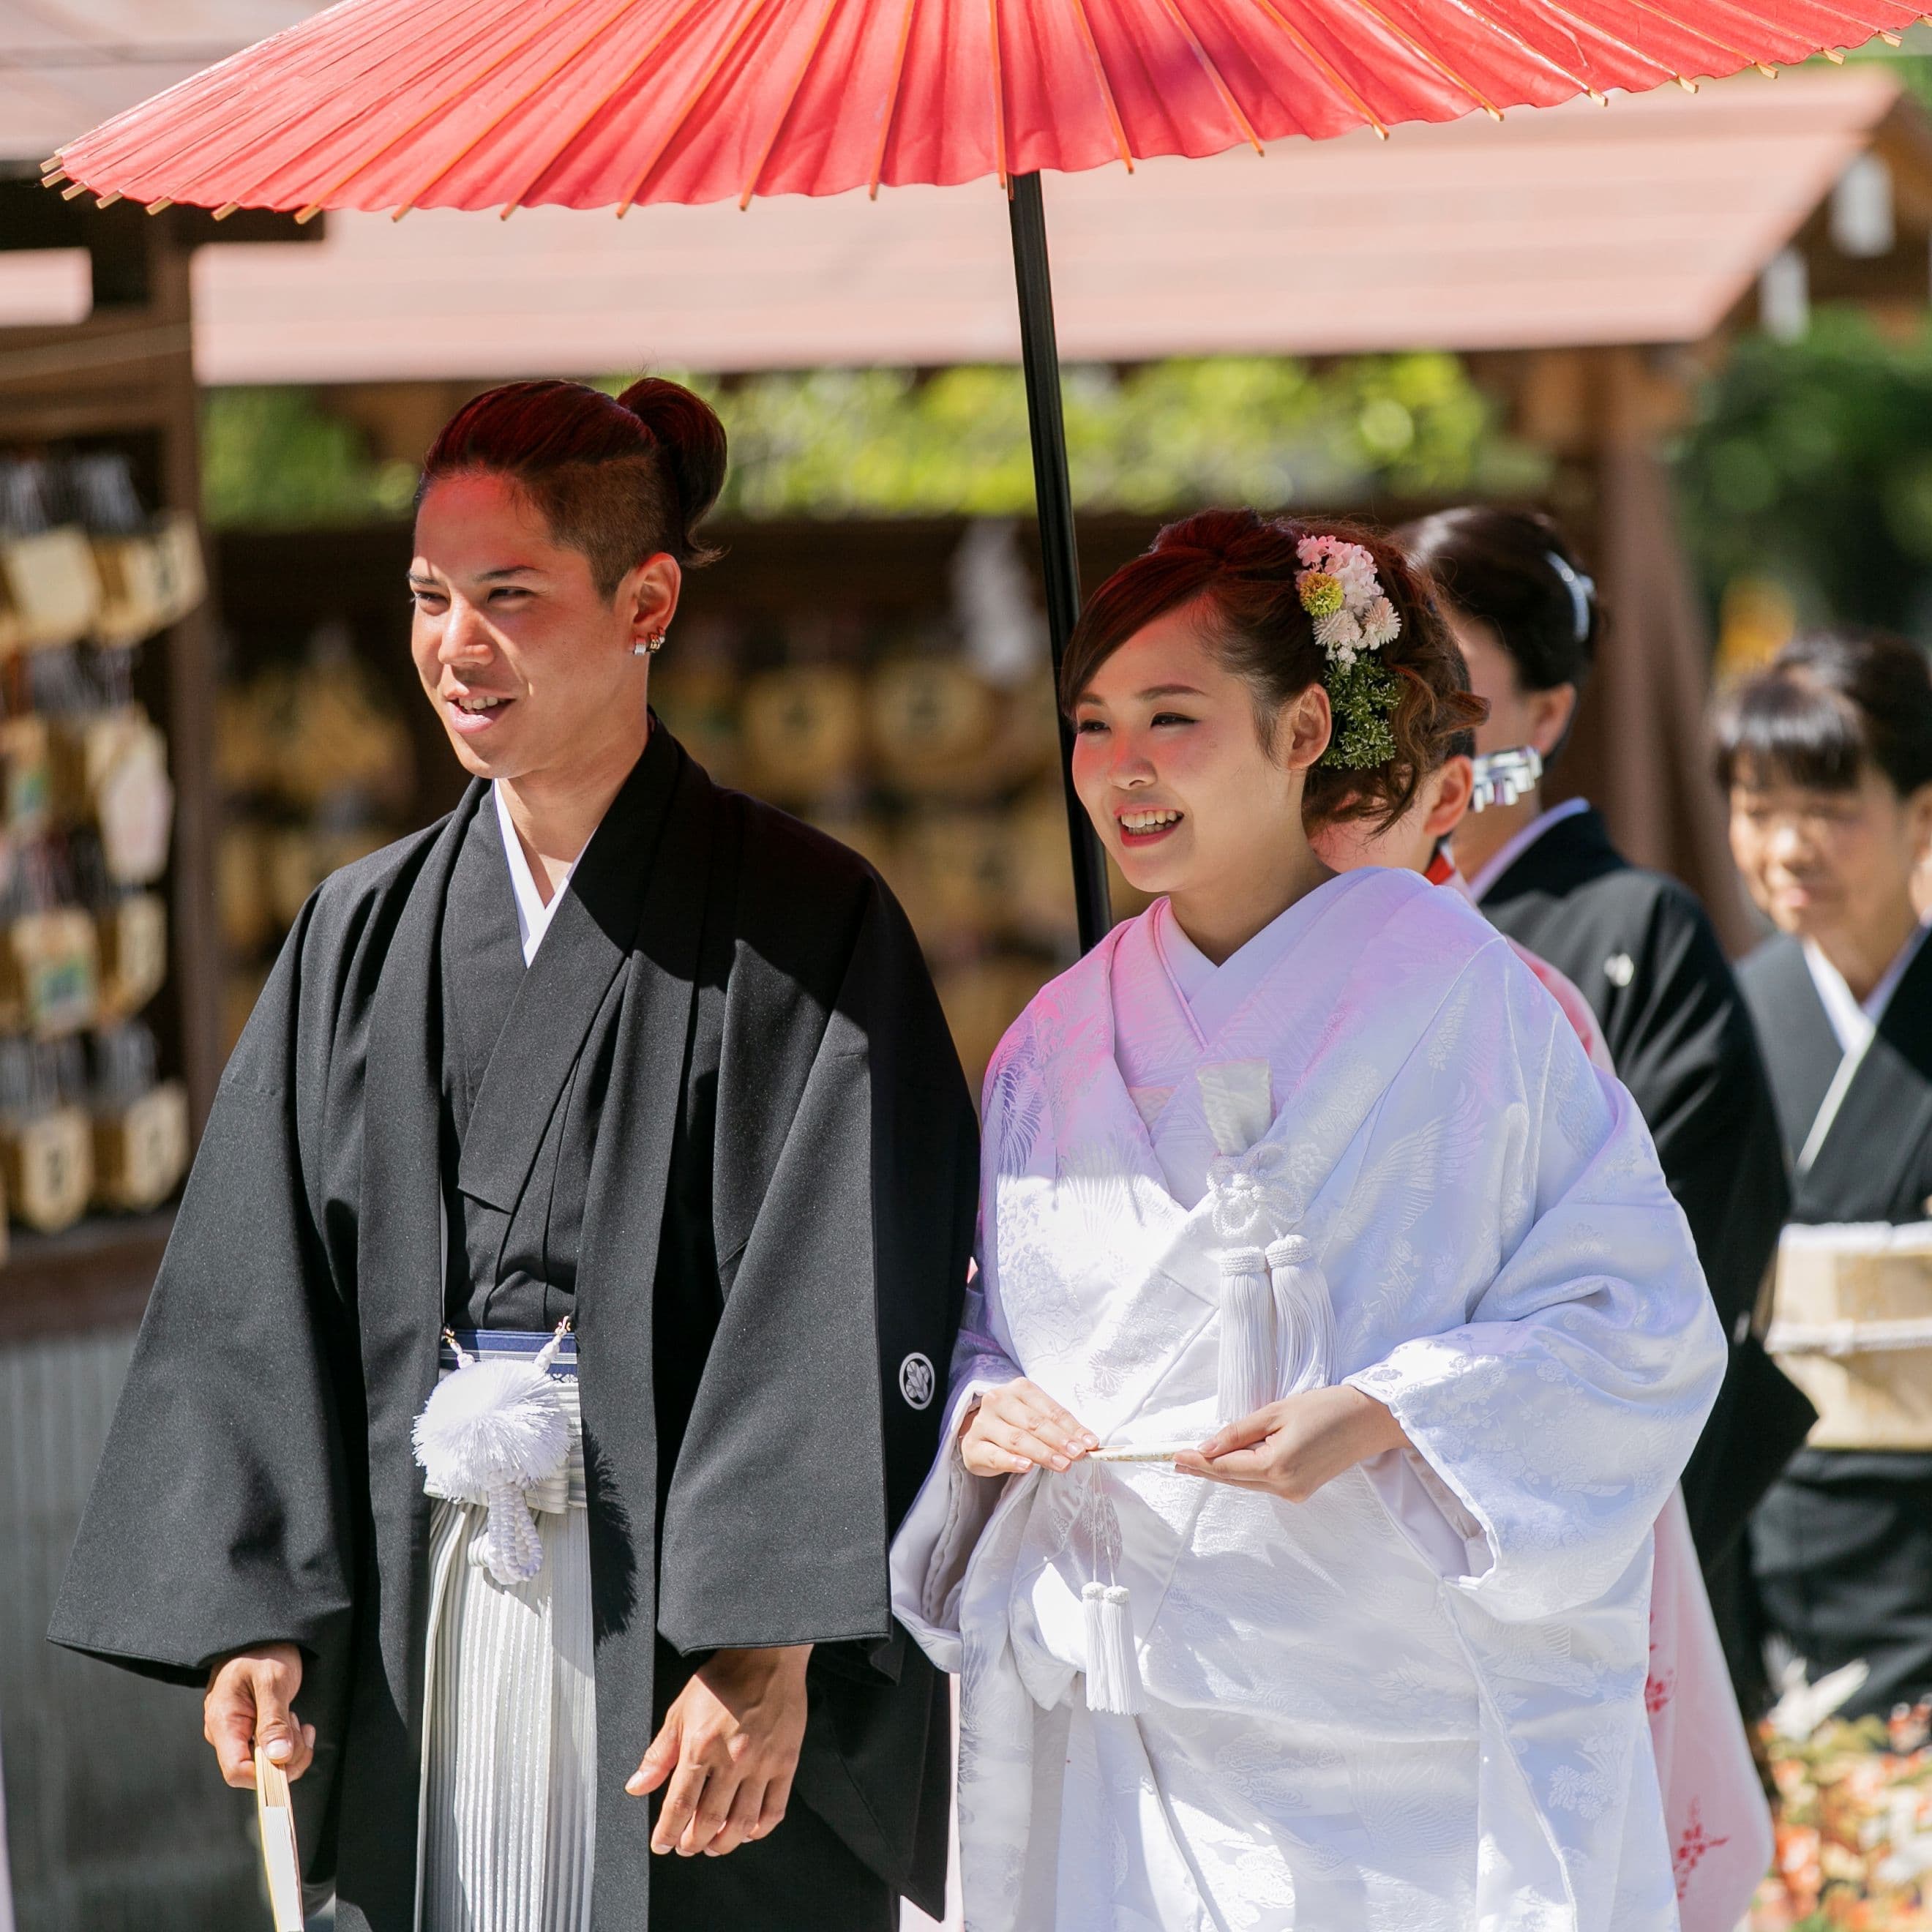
1277	1321
489	1434
1304	1314
508	1823
1248	1358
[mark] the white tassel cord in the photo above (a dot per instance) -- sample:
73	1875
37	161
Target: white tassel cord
512	1546
1250	1366
489	1433
1113	1661
1304	1314
1113	1667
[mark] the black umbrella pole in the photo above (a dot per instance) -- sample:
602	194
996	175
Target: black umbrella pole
1053	497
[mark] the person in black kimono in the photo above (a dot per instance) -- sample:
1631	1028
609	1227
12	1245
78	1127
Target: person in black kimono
637	1091
1644	953
1827	756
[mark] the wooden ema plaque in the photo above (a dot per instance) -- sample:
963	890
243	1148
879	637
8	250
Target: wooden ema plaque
134	941
26	774
48	1164
53	588
140	1151
184	570
49	973
134	601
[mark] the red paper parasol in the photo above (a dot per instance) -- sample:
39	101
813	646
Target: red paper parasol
396	104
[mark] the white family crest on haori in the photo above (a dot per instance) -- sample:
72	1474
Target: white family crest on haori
1367	1148
918	1381
491	1433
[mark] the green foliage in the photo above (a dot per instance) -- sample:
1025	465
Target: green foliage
272	458
1909	63
1810	463
1364	695
884	442
1167	436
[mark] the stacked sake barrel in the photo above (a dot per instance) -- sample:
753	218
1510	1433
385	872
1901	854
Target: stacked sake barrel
941	774
86	810
317	768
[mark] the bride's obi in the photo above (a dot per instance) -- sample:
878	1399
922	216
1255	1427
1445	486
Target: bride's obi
1393	1165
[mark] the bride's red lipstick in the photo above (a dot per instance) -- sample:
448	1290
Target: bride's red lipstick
1155	823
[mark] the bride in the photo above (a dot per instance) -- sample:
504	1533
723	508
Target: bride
1335	1341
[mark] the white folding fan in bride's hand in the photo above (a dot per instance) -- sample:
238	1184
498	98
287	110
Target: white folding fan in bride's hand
277	1819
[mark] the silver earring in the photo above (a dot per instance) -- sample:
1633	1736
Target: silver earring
650	647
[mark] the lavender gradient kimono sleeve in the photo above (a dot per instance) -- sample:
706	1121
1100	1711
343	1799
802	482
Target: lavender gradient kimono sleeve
1560	1415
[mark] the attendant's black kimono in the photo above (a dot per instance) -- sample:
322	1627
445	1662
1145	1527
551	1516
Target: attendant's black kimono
721	1121
1643	952
1842	1545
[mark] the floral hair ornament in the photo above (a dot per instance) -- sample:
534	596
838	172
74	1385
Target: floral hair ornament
1354	618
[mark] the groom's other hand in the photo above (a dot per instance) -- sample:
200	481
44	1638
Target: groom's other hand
727	1751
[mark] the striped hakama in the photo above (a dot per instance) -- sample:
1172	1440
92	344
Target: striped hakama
509	1786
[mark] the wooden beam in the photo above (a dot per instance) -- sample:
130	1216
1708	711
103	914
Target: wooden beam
190	724
34	216
96	1276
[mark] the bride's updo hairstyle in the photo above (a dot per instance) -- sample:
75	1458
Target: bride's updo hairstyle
620	478
1238	571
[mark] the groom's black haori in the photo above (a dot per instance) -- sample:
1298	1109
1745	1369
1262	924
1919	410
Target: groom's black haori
720	1121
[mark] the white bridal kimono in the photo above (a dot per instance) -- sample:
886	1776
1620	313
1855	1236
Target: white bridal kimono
1415	1702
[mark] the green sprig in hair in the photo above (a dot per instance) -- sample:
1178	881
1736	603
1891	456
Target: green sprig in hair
1362	695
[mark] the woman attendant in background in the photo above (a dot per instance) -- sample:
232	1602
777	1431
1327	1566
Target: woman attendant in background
1714	1805
1645	955
1827	756
1336	1343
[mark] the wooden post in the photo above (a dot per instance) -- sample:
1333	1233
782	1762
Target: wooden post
126	373
1641	748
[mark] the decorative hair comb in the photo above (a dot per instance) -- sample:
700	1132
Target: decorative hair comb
1582	592
1502	778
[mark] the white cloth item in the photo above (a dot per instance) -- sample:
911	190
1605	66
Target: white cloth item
534	912
1211	994
1854	1020
6	1877
1508	854
1417	1700
508	1820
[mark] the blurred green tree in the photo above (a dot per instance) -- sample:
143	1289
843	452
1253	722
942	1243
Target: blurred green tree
1809	464
1167	436
273	458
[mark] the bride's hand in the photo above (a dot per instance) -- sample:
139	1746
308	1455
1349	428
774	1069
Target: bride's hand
1293	1447
1019	1426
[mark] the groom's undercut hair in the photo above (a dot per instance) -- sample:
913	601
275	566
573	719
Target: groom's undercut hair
619	479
